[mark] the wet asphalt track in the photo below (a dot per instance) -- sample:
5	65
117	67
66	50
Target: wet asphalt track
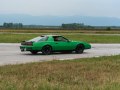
11	54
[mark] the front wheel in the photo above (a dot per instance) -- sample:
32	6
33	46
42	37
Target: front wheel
46	50
79	49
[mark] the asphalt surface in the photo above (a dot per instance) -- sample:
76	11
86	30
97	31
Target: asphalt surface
11	54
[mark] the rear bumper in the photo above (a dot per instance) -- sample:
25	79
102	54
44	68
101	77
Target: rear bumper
26	48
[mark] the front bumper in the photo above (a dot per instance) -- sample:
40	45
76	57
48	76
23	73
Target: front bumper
88	46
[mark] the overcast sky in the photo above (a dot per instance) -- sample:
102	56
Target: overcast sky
107	8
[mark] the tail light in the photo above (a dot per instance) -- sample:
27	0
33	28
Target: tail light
29	43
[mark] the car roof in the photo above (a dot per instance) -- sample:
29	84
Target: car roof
49	35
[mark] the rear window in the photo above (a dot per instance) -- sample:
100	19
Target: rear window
38	39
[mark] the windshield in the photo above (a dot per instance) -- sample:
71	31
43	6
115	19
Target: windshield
37	39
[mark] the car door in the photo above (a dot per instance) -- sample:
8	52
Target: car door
61	43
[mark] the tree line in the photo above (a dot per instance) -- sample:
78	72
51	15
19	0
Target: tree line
12	25
69	26
76	26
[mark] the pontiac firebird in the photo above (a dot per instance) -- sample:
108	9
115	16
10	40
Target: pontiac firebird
53	43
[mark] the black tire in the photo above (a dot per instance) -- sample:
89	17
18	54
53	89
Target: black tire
46	50
34	52
79	49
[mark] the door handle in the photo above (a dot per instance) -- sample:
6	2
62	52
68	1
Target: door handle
56	43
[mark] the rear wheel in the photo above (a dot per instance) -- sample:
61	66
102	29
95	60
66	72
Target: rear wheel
46	50
34	52
79	49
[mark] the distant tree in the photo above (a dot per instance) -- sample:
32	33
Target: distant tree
108	28
20	25
8	25
12	25
5	25
73	26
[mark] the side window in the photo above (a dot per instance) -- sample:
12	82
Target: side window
64	39
60	39
55	38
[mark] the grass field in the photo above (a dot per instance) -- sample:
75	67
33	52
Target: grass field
84	74
17	38
62	31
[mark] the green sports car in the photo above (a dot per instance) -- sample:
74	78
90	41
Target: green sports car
53	43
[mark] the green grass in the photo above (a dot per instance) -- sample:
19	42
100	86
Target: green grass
17	38
60	31
84	74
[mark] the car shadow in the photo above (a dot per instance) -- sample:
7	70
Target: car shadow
54	53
